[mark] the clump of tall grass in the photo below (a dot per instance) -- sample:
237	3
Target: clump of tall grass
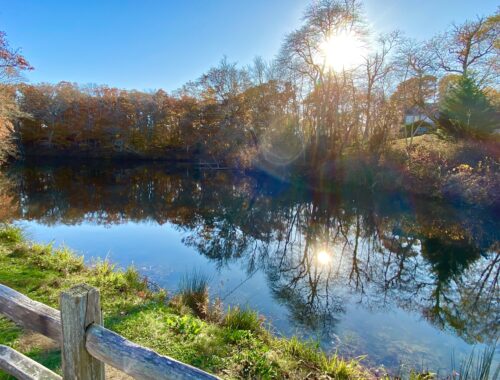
10	234
107	274
242	319
307	351
332	365
45	256
477	366
193	293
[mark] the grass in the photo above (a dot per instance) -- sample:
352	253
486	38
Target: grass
186	326
477	366
242	319
11	236
193	293
309	353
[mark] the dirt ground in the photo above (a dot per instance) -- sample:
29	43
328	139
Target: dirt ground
30	340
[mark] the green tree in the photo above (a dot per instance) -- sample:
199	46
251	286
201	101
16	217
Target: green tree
466	110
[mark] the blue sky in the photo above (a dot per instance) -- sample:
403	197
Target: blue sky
162	44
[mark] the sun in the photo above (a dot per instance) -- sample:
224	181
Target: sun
342	51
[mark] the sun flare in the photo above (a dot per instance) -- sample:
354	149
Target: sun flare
324	257
342	51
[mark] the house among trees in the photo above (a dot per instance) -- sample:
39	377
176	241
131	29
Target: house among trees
419	121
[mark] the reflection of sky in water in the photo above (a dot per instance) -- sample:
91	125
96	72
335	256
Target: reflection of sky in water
391	337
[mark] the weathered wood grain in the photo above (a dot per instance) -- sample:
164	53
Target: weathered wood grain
22	367
80	307
137	361
87	345
31	314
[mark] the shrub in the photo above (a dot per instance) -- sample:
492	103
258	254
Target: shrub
474	185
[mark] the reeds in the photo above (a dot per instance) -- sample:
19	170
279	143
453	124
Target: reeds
193	292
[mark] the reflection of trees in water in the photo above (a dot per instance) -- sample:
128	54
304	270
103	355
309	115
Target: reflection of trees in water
7	200
385	249
296	276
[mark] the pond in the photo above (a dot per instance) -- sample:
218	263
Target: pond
406	281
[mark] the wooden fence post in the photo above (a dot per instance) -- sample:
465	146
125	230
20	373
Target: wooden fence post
80	307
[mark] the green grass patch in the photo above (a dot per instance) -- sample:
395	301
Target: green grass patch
242	319
10	235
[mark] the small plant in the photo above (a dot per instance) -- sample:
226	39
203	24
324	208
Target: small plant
66	261
237	336
193	292
215	312
242	319
256	365
186	325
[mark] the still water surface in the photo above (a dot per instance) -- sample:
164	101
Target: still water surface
405	281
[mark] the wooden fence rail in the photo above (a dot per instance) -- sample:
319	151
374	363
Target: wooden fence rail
86	345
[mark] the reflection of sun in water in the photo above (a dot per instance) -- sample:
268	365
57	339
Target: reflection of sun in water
324	257
343	50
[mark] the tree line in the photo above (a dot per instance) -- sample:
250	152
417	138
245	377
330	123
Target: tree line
295	108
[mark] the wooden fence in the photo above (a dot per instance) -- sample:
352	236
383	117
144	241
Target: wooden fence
85	344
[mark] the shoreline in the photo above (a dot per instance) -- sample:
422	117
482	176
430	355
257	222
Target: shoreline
455	172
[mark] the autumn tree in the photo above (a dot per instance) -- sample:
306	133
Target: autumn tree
12	63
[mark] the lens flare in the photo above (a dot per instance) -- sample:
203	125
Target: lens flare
280	144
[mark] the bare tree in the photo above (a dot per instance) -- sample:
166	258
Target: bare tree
377	67
471	46
327	112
